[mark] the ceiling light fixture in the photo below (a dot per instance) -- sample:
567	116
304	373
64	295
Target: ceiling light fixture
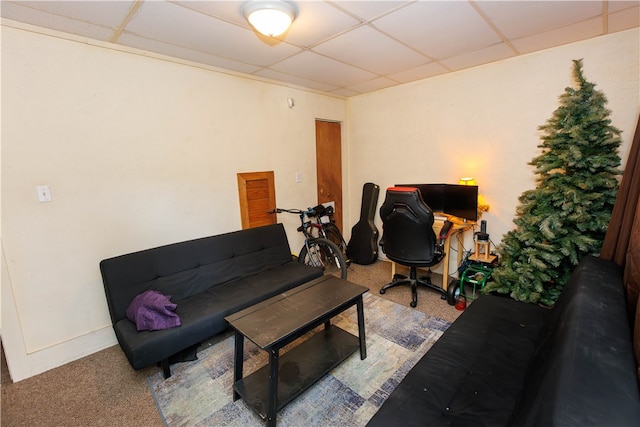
270	17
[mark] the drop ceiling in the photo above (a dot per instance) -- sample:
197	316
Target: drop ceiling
343	48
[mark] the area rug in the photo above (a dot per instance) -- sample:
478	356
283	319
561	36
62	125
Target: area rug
199	393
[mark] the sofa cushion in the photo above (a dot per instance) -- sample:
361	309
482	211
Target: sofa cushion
473	373
581	372
202	315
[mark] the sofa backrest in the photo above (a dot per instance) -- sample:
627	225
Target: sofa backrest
582	371
187	268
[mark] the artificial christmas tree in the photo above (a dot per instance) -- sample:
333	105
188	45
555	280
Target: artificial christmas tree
567	215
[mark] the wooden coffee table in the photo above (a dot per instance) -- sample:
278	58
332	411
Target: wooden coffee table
278	321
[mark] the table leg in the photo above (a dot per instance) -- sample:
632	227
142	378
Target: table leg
238	362
361	334
272	393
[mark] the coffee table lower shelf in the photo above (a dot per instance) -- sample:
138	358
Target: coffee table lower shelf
299	368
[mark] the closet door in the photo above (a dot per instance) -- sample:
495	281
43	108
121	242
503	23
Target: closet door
329	165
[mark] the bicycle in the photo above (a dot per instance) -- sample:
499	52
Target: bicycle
329	230
317	252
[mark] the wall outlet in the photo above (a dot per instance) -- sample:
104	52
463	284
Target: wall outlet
44	193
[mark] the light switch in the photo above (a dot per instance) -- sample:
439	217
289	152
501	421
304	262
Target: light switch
44	193
298	177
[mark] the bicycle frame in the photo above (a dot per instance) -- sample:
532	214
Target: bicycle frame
317	251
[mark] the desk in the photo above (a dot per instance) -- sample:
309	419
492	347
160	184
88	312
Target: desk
458	229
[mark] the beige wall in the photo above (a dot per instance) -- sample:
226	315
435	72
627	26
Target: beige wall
483	123
138	152
141	151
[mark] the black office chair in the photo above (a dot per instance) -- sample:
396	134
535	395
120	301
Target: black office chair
408	238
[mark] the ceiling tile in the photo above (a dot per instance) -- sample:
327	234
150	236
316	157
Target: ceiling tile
298	81
319	68
345	92
493	53
172	24
624	19
616	6
419	73
440	29
230	11
378	53
317	21
20	13
104	13
155	46
371	85
368	10
523	18
564	35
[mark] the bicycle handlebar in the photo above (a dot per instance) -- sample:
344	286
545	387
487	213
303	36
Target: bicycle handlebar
318	211
280	210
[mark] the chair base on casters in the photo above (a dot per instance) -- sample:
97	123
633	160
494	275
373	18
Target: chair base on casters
414	281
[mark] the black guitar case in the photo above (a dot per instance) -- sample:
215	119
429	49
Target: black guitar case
363	245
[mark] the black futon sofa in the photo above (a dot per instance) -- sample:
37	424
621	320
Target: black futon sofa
508	363
208	279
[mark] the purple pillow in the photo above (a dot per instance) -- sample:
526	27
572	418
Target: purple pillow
152	311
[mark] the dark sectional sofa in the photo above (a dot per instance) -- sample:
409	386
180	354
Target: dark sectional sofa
507	363
208	279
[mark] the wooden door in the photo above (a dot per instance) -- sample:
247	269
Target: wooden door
329	165
257	194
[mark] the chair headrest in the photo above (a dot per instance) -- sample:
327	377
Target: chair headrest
407	199
407	189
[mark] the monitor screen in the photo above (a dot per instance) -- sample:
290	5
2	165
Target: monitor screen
452	199
462	201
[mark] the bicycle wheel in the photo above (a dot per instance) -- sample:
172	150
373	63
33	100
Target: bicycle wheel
332	233
324	254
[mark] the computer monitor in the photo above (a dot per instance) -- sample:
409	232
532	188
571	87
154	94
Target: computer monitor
452	199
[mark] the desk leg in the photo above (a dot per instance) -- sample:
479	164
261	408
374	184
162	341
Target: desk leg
447	250
272	392
361	333
237	363
445	262
459	238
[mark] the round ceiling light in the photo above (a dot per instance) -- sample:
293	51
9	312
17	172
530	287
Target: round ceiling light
271	18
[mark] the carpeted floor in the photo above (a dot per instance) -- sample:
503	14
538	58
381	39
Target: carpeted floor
103	390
